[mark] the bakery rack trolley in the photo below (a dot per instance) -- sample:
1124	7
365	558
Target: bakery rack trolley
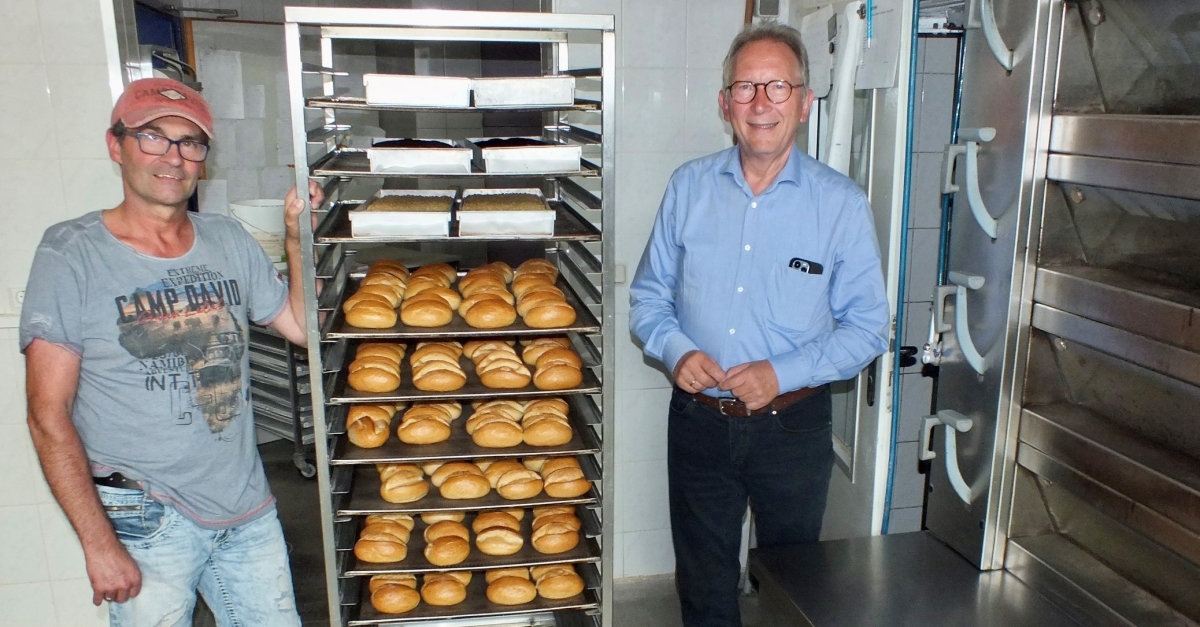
279	393
582	247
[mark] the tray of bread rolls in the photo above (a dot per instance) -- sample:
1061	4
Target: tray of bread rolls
399	598
466	486
467	384
458	326
374	432
493	539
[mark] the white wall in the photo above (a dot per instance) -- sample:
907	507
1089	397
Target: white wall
53	166
669	55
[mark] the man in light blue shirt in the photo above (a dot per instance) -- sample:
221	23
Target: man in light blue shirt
761	283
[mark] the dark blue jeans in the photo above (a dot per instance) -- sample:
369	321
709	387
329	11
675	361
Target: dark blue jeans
779	462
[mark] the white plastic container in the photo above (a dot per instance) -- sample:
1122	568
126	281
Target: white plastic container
546	159
524	91
263	219
515	223
401	90
449	160
403	223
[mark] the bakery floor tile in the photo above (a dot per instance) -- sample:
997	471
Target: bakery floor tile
652	602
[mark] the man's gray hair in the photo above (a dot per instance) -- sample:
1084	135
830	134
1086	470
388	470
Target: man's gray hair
766	31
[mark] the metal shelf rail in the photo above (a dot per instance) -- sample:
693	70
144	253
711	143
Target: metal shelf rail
582	248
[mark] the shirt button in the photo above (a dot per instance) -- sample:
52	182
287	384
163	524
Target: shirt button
747	247
754	205
740	289
732	331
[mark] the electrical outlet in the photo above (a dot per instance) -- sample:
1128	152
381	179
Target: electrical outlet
16	298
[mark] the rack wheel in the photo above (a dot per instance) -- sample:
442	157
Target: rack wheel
306	468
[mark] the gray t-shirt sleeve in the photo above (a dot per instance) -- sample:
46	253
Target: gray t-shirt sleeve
53	302
267	289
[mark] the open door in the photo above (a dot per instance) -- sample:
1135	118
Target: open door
860	128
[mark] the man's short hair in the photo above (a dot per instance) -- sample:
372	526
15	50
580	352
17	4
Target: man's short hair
766	31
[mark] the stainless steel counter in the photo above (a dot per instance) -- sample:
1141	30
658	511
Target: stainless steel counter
892	581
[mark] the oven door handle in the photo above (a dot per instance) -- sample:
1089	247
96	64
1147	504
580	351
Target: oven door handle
955	423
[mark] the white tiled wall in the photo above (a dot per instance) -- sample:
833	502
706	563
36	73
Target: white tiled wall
53	166
935	98
669	71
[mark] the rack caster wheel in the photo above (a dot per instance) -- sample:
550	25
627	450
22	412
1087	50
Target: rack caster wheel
305	467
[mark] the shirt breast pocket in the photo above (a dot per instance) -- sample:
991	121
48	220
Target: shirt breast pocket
796	297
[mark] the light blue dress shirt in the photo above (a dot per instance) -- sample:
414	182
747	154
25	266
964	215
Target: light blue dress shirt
720	273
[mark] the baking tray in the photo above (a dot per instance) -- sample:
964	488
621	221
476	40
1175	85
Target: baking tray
343	393
453	159
476	605
585	322
527	223
517	92
347	527
403	224
352	102
588	550
461	446
365	499
568	226
551	158
406	90
351	162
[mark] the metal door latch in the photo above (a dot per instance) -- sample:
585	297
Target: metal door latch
933	350
955	423
973	137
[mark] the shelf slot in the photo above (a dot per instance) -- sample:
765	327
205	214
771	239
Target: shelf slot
360	104
313	68
581	194
393	33
1164	179
1161	139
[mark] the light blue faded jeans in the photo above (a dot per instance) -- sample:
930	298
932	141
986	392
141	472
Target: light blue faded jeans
242	572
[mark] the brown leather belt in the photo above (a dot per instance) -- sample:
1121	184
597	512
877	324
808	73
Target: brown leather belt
737	409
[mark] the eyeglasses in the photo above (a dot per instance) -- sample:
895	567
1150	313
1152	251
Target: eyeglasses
153	144
778	92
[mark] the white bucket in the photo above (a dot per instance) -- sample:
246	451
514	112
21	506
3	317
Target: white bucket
263	219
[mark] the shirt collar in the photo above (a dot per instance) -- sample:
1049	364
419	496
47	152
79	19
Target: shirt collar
791	170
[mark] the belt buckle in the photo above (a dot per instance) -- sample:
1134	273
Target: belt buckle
724	403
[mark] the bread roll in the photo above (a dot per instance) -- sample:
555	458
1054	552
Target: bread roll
554	538
511	591
440	380
465	486
382	543
423	431
558	355
515	571
445	471
505	378
496	469
388	265
461	576
391	352
519	484
447	551
566	483
445	529
559	377
560	584
553	405
552	315
393	598
443	269
499	541
427	313
490	314
499	434
367	425
537	265
391	579
535	463
403	489
569	520
554	463
547	510
443	592
487	520
390	292
547	433
375	380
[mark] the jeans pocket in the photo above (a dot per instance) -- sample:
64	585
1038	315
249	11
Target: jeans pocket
679	401
809	416
135	517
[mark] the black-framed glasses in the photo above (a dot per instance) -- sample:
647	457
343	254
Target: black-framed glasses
778	92
155	144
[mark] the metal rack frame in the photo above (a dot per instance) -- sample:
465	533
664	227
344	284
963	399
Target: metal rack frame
587	273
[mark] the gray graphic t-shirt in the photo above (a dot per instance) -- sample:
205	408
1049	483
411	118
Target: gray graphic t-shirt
164	376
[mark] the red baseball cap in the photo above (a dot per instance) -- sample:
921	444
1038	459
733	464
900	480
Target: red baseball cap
149	99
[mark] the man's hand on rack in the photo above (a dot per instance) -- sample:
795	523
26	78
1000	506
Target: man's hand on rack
295	207
113	573
697	371
754	383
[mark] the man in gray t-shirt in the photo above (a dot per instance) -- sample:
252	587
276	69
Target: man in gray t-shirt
134	329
